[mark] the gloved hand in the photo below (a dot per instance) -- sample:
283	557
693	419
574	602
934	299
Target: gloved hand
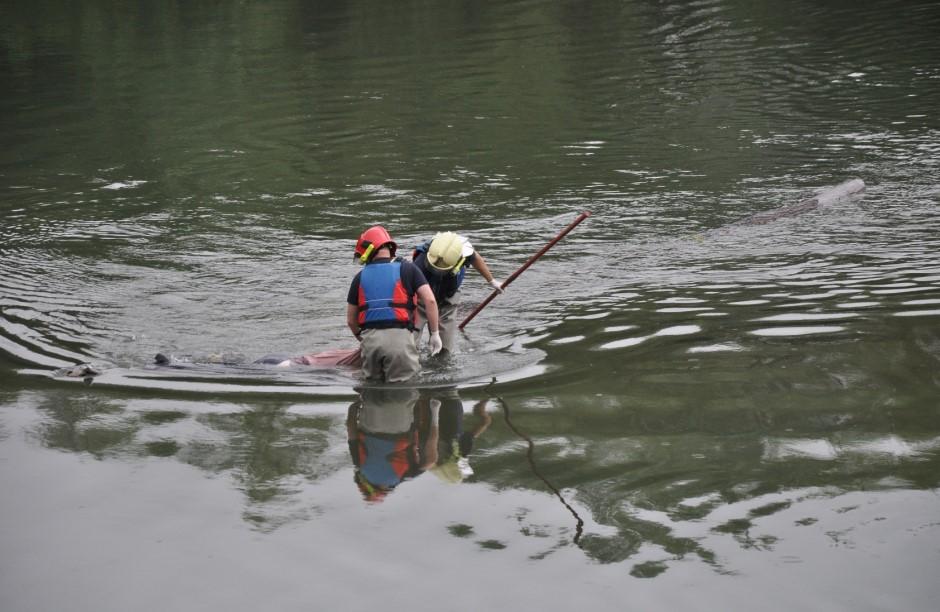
435	343
496	285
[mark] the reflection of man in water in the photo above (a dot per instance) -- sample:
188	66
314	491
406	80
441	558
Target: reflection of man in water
385	442
454	444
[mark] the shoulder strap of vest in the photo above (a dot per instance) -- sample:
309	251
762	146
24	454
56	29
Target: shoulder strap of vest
421	248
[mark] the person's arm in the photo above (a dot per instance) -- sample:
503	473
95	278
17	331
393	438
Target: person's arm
480	265
430	445
352	420
352	319
430	306
430	310
352	431
484	418
465	442
352	308
424	293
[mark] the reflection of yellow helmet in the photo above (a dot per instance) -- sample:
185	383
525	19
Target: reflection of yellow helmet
447	252
448	472
451	467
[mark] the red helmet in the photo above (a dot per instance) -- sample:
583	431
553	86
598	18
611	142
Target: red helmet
371	241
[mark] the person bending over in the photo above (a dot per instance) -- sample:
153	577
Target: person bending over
443	261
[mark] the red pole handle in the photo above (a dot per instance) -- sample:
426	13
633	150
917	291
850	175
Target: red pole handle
524	267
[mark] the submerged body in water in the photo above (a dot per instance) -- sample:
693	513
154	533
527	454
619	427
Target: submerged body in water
827	196
328	358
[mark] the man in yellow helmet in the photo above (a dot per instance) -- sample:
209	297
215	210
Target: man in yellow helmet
454	441
444	261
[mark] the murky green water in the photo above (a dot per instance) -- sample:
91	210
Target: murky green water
669	409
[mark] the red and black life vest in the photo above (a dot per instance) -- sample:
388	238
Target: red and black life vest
383	299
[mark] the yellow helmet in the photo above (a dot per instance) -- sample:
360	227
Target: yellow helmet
449	472
448	251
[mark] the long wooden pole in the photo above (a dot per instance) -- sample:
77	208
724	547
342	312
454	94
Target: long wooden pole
524	267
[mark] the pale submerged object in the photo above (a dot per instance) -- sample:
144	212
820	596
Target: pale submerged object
823	198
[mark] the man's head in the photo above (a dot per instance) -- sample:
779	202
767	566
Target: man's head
371	241
448	252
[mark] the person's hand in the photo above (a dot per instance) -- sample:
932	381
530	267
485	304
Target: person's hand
435	343
496	285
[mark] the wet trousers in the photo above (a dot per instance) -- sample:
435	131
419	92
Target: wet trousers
389	355
447	322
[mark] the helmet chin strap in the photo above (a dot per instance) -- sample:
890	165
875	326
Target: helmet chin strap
364	258
455	269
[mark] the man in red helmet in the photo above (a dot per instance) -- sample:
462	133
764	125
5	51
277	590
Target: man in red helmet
380	309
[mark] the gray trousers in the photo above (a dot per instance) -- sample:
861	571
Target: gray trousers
447	322
389	355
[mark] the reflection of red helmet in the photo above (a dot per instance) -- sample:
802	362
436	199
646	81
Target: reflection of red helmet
370	493
371	241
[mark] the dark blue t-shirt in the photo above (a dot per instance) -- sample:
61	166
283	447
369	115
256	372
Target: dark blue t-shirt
443	284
